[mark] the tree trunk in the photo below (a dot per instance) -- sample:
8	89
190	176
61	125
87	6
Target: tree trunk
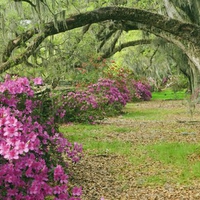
194	63
194	78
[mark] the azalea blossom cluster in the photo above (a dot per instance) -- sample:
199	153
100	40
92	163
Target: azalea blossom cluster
95	102
139	89
80	106
111	90
142	91
32	163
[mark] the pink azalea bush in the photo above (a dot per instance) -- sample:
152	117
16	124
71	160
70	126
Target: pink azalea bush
140	91
81	106
33	154
101	99
111	91
124	78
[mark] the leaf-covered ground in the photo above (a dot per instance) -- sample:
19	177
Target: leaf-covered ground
142	173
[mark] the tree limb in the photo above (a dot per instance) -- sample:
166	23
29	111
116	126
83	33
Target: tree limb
182	31
23	56
106	37
17	42
154	53
125	45
27	1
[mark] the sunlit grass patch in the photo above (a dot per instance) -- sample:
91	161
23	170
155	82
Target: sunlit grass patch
195	171
168	94
171	153
82	133
135	112
123	129
76	128
158	179
143	115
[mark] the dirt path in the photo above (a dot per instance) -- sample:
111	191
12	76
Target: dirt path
115	177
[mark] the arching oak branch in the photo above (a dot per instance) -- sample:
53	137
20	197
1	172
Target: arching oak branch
182	31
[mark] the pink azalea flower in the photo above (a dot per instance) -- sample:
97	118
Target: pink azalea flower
13	154
24	81
2	88
11	141
58	172
4	148
21	147
10	131
10	120
38	81
77	191
57	190
2	121
35	187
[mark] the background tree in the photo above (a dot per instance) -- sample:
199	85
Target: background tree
48	18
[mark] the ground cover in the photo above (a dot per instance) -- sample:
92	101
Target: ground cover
152	151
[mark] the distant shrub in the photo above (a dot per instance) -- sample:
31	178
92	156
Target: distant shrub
101	99
125	80
140	91
88	72
177	83
81	106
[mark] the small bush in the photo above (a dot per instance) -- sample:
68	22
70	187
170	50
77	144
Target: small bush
141	91
81	106
125	80
98	100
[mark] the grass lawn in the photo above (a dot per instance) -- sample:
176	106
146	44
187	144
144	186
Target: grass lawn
153	144
173	157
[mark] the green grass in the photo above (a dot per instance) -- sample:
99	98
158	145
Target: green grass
109	147
132	112
82	133
167	161
155	179
168	94
94	139
172	153
170	163
155	114
123	129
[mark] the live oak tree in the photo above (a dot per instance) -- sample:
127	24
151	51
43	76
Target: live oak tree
176	27
188	11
